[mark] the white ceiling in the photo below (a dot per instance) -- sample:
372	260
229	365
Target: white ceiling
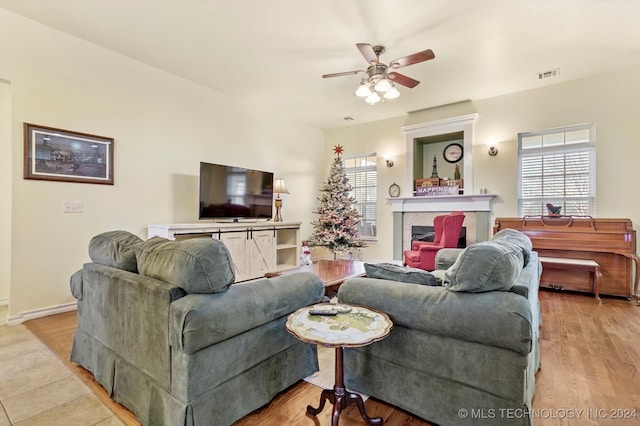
274	52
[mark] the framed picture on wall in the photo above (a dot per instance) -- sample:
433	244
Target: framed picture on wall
66	156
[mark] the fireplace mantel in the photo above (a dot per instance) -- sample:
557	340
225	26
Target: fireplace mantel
447	203
421	210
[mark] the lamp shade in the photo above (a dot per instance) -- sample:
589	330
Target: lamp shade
392	93
383	85
363	90
279	187
373	98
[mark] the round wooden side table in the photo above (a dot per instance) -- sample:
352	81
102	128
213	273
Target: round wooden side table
353	326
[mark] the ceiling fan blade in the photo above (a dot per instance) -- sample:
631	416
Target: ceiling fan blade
367	51
425	55
340	74
403	79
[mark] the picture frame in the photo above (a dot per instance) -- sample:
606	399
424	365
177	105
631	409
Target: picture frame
66	156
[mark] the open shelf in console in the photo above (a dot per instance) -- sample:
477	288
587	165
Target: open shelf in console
287	248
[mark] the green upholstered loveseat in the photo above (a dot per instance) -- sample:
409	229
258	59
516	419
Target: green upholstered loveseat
465	353
166	332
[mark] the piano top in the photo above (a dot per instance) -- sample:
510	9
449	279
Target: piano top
576	233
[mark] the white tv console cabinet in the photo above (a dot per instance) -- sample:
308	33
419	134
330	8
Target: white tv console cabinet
256	247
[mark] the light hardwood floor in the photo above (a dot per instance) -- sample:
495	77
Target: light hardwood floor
590	370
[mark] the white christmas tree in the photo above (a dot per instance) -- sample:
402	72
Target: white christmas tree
336	228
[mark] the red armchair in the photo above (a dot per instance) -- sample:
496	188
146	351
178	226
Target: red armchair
423	254
437	228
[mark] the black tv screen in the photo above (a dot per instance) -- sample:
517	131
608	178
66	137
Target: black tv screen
235	192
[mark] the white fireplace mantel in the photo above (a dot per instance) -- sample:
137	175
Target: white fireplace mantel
442	203
406	210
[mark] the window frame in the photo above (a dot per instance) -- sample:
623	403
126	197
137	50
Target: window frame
587	147
364	169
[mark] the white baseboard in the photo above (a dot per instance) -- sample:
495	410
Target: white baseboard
4	301
39	313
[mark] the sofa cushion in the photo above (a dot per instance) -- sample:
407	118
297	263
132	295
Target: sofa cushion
518	238
389	271
198	265
116	249
486	266
520	289
201	320
493	318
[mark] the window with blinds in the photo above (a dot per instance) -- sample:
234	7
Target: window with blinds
362	172
557	167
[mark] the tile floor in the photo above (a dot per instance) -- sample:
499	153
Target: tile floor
36	388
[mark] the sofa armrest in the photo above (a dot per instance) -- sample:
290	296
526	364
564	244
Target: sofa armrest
75	284
129	314
446	257
415	245
201	320
495	318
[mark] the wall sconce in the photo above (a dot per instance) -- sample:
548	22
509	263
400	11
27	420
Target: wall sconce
493	151
388	160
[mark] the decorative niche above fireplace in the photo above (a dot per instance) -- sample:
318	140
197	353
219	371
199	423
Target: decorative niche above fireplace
417	135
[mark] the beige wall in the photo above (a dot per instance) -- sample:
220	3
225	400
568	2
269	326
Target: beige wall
163	127
611	101
5	191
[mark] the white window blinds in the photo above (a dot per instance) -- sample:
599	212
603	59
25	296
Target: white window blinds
362	172
557	167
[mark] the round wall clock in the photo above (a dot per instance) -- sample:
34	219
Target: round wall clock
394	190
452	153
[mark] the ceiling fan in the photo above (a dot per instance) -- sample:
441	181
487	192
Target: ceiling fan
381	77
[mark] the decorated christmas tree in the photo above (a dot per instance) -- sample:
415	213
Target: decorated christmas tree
336	228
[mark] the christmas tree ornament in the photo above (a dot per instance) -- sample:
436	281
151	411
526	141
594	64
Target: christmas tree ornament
305	254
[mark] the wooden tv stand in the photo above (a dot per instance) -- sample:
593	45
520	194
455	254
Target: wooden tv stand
611	243
256	247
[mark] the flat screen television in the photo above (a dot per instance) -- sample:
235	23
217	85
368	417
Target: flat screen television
228	192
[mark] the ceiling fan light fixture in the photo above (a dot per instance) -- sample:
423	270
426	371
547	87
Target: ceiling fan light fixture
363	90
383	85
381	79
392	93
373	98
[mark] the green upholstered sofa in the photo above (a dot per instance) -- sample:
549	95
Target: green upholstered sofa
166	332
465	353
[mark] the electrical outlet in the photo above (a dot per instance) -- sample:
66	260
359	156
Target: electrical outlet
72	207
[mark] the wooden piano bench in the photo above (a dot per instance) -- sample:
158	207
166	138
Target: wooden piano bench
576	264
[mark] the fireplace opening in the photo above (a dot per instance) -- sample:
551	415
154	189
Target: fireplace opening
427	233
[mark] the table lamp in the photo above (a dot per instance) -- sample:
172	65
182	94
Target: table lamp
279	188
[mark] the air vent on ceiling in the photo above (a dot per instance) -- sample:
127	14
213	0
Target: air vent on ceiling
550	73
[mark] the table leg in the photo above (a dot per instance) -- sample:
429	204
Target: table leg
340	398
597	278
636	259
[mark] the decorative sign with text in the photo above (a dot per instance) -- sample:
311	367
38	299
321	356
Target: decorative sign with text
435	191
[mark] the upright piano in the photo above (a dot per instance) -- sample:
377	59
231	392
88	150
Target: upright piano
610	242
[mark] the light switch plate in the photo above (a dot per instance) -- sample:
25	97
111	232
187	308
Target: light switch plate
72	207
